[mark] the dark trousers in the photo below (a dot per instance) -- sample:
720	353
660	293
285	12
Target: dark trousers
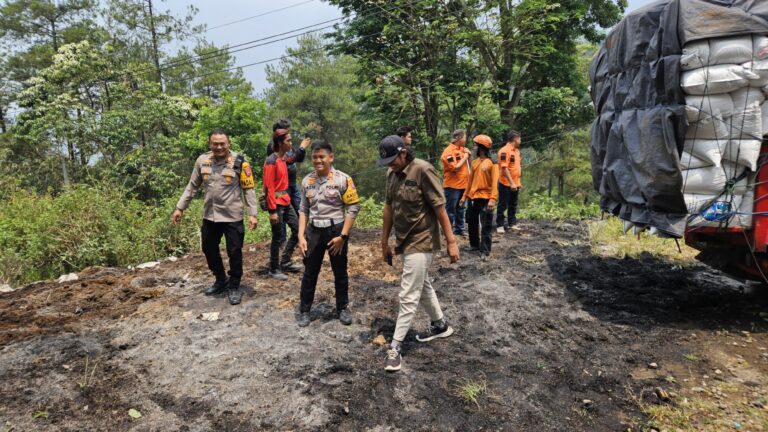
507	202
286	215
478	214
455	211
234	233
317	244
293	191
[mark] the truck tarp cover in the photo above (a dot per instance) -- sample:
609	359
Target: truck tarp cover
641	123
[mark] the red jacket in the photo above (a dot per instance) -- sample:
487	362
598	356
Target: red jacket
276	180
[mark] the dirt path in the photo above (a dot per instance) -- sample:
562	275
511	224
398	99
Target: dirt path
562	340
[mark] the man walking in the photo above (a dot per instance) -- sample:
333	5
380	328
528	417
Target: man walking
227	177
455	160
278	200
414	206
329	205
509	182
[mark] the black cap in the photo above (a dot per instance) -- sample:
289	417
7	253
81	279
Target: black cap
389	148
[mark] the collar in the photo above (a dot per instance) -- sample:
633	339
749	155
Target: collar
327	178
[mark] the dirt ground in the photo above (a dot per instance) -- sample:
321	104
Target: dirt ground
560	339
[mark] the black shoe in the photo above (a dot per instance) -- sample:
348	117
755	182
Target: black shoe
303	319
278	274
234	293
394	360
434	332
470	249
292	267
217	287
345	317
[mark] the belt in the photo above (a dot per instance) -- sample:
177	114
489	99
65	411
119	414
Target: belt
278	194
322	223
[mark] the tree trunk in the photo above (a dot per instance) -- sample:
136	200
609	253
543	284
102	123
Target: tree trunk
155	50
431	118
3	125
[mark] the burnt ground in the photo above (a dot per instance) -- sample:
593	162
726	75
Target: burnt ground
561	338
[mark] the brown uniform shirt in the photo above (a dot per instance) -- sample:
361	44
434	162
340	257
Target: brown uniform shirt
223	191
332	197
413	194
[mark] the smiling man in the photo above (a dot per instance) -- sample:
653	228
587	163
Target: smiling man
329	205
227	177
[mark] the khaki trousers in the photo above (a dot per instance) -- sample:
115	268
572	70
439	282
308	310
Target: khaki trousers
416	288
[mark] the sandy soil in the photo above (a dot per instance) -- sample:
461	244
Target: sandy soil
561	338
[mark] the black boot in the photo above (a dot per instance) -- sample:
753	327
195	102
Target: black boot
234	293
217	286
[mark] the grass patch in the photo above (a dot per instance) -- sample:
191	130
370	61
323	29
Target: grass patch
470	390
692	358
607	238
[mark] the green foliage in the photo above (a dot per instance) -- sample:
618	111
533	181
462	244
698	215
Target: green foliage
543	207
242	116
371	213
44	236
320	94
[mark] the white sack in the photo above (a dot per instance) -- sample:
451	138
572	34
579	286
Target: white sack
708	151
760	68
760	47
716	79
739	207
703	106
764	110
743	151
744	97
707	180
709	129
747	124
689	161
710	52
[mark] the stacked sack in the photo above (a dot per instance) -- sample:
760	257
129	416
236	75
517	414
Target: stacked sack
725	81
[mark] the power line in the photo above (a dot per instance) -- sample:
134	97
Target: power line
258	15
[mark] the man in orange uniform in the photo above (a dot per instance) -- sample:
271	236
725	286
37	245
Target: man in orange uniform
509	182
482	191
455	160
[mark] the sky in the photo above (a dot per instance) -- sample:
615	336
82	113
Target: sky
221	17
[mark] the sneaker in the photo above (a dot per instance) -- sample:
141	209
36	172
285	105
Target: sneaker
393	361
217	287
434	332
235	295
469	249
292	267
345	317
514	227
500	230
278	274
303	319
485	257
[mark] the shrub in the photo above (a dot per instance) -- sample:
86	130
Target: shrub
539	207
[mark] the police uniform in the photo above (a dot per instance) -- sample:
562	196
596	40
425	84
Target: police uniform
326	201
225	184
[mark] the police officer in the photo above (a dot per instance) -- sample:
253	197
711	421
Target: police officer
227	177
329	205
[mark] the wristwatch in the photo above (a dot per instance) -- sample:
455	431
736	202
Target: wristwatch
344	237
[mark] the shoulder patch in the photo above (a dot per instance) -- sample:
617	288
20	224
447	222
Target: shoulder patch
350	196
246	177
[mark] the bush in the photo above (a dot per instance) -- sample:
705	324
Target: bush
544	207
42	236
45	236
